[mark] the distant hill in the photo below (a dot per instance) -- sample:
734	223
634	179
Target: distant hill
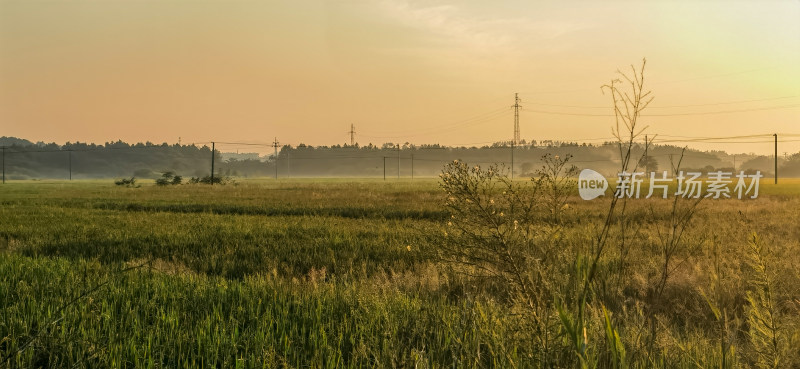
13	141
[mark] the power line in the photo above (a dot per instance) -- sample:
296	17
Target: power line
713	76
661	138
723	102
482	118
660	82
715	138
717	142
246	143
672	106
13	150
669	114
725	111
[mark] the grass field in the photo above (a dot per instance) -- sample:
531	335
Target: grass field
345	273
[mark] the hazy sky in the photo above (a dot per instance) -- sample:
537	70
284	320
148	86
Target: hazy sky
400	71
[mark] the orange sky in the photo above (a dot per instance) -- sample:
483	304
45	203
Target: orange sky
401	71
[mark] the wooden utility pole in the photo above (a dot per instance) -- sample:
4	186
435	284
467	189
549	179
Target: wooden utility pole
212	162
412	166
776	158
398	161
646	159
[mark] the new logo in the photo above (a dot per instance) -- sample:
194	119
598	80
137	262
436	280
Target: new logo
591	184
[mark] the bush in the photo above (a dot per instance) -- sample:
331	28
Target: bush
169	178
207	180
126	182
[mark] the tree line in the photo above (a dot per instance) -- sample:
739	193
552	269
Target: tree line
24	159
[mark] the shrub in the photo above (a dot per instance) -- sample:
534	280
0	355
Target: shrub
207	180
169	178
501	233
126	182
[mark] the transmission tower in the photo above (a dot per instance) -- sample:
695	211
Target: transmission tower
352	135
516	119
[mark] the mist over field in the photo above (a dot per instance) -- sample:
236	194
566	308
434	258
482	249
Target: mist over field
27	160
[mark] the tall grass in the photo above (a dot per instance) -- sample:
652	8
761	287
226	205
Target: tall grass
148	319
257	288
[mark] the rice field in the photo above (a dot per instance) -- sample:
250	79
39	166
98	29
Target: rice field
346	274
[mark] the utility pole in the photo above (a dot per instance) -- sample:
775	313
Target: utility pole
412	166
352	135
646	159
212	162
516	131
776	158
672	164
512	160
275	145
398	161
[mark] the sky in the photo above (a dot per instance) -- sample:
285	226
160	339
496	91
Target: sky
422	72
